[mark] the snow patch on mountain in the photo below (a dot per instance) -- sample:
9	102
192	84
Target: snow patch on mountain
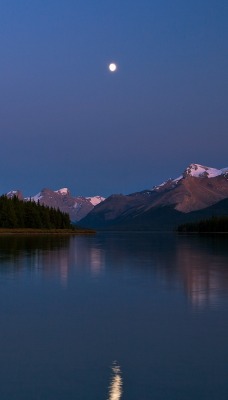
35	198
95	200
11	193
198	171
63	191
178	179
194	170
16	193
170	183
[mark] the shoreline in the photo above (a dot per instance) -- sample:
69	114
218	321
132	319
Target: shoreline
33	231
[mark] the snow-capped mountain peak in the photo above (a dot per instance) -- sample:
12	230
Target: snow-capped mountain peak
197	171
16	193
193	170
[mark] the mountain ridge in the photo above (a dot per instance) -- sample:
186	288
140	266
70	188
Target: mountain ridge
198	188
77	207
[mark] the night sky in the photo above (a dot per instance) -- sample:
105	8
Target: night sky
67	121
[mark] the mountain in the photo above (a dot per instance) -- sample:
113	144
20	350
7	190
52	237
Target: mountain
16	193
198	187
76	207
164	206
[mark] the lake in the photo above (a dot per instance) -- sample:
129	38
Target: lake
130	316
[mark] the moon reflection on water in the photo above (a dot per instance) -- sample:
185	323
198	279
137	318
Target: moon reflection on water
115	388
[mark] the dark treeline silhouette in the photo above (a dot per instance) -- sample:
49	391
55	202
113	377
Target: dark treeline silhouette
213	224
15	213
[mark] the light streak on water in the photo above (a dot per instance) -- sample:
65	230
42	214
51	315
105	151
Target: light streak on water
115	389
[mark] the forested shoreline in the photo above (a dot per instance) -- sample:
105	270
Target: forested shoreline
213	224
15	213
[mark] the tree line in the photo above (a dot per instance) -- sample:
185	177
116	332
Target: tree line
15	213
213	224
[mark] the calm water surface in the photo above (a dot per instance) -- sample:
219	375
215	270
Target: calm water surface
114	316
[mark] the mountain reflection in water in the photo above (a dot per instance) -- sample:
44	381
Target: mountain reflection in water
35	253
196	264
115	388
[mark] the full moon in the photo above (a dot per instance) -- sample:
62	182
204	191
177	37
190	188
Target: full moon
112	67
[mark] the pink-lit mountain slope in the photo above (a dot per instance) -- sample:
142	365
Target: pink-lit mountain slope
197	188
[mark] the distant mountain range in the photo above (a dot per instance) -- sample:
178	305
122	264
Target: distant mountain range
76	207
198	193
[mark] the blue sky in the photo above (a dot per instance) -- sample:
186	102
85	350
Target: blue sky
66	121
